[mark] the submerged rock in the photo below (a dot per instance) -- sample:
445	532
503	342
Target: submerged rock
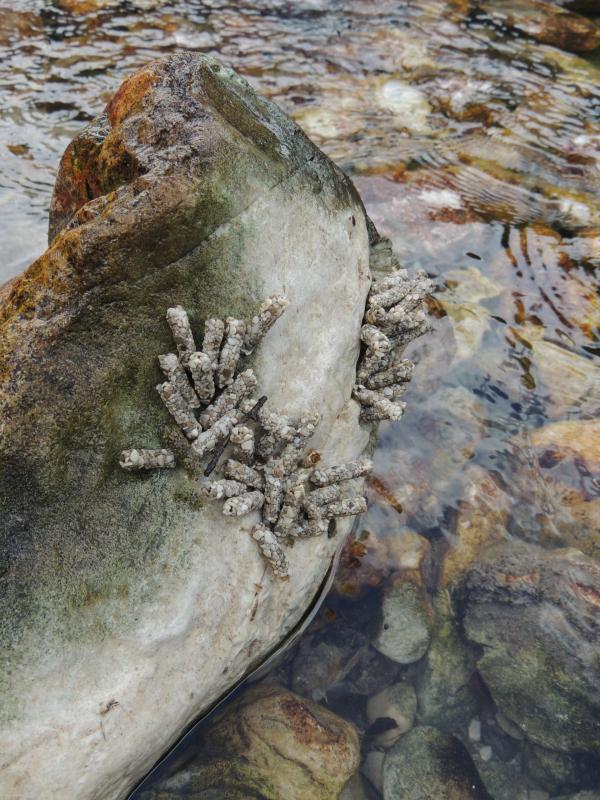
503	780
557	484
325	660
275	745
547	23
572	381
482	520
269	744
129	603
535	613
445	692
426	764
93	6
585	795
395	706
559	772
406	621
357	788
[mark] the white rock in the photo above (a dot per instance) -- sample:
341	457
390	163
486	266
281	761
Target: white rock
475	730
90	714
407	102
486	753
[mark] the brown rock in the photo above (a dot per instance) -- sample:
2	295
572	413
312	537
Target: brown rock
300	749
372	557
482	520
557	483
547	23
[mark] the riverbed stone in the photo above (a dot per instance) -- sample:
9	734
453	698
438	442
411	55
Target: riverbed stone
427	764
586	794
290	747
129	604
270	744
504	780
547	23
94	6
571	380
481	521
395	705
407	620
557	486
324	660
558	772
535	615
447	697
357	788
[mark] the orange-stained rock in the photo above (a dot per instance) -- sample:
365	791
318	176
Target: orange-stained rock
482	520
372	557
297	748
569	439
557	483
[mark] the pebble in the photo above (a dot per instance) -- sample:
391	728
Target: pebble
397	703
486	753
475	730
406	624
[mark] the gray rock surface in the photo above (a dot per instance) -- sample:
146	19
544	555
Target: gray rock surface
426	764
535	613
406	621
128	604
444	685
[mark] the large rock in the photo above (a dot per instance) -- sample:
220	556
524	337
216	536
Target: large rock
128	605
536	616
270	744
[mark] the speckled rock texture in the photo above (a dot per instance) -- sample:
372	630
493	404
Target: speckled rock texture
128	605
427	764
535	615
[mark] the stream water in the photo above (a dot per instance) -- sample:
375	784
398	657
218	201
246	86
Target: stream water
473	136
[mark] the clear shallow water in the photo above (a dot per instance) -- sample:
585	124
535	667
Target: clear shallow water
476	148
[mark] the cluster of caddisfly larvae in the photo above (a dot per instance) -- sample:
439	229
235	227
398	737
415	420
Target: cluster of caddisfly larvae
394	317
262	458
265	467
